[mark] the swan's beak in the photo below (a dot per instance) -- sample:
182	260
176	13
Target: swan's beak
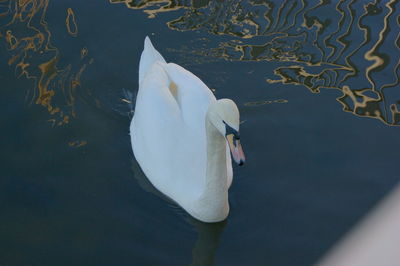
236	149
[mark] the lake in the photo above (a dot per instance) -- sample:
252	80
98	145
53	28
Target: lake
317	86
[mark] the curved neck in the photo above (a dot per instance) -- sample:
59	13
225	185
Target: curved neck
215	193
216	175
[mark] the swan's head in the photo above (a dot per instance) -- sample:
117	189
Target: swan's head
224	115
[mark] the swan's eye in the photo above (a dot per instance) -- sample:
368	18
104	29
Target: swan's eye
231	131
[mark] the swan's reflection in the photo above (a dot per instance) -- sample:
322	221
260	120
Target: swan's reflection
207	242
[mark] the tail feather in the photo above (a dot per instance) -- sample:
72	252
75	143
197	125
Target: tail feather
149	56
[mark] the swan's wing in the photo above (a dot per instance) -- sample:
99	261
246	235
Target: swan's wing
192	95
155	106
154	98
149	56
189	92
157	120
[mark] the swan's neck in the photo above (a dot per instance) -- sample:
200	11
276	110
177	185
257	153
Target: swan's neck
214	198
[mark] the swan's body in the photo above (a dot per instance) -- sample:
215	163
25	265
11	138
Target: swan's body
178	140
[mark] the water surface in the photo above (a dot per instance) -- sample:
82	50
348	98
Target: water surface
317	85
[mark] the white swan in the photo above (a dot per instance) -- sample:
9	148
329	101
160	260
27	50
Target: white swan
181	136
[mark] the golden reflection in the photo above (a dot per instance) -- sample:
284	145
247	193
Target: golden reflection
152	7
298	75
348	45
258	103
364	102
70	22
25	32
77	143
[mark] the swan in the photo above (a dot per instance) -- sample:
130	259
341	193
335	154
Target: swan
182	137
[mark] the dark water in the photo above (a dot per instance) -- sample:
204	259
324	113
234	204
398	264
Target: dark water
317	85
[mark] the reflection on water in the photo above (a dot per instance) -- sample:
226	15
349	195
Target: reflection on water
27	38
77	143
152	7
208	234
207	242
70	22
351	46
348	45
257	103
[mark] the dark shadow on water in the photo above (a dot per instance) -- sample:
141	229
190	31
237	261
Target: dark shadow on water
205	248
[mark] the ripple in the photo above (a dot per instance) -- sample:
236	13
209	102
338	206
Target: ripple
24	30
70	22
258	103
351	39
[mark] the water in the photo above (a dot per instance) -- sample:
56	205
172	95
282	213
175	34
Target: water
317	85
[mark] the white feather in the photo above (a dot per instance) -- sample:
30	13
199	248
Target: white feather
169	139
